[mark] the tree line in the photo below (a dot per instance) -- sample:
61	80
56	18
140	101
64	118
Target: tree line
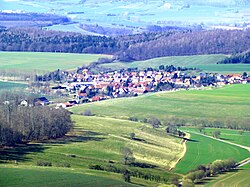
129	47
243	58
20	124
211	169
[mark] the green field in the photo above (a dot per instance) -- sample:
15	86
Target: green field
6	86
51	176
230	103
96	140
203	62
204	150
226	134
239	178
44	62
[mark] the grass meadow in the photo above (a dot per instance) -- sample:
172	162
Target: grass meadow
233	136
94	140
203	62
52	176
204	150
7	86
44	62
238	178
194	106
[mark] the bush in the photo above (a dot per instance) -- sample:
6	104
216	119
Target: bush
43	163
71	155
133	119
132	136
87	112
155	122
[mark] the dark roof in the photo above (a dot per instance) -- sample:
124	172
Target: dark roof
42	99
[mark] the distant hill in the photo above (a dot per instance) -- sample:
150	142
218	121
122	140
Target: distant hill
190	2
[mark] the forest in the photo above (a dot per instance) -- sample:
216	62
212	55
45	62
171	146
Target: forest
128	48
243	58
21	124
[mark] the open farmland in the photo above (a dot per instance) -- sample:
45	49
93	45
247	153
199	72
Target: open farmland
186	61
203	62
239	137
96	140
52	176
194	106
44	62
204	150
238	178
6	86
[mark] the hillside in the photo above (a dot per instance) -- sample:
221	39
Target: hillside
94	141
210	107
204	150
44	62
107	17
128	48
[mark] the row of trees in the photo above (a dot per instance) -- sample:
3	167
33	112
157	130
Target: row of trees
130	47
212	169
21	124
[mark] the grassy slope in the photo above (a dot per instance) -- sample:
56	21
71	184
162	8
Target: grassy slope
207	105
235	179
226	134
42	62
98	140
11	86
203	62
51	176
187	61
203	150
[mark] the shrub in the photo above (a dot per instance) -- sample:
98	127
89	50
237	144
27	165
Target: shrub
133	119
71	155
132	136
155	122
87	112
43	163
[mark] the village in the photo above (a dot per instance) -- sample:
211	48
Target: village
86	86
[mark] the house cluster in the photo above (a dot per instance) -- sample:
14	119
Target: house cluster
89	87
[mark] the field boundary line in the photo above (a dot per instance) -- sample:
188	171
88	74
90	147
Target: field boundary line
183	152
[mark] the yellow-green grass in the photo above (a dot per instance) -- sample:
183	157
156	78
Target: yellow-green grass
221	104
96	140
204	150
237	178
52	176
235	136
187	61
44	62
202	62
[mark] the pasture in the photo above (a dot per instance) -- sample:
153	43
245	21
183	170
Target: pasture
7	86
52	176
203	150
185	61
188	107
203	62
238	178
96	140
234	136
44	62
